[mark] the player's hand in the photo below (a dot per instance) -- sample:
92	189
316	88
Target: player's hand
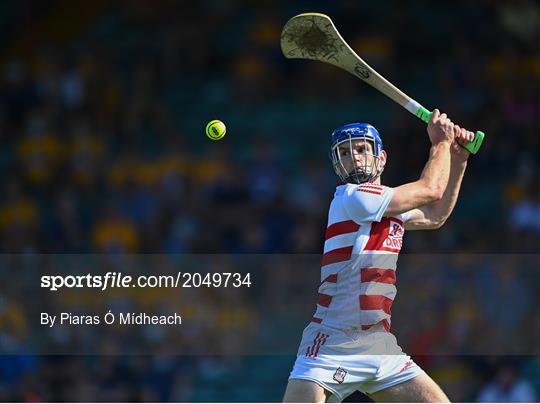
462	136
440	128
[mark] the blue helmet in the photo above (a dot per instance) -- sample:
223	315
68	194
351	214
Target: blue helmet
358	131
370	169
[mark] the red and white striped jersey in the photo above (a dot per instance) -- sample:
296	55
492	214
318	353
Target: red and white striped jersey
361	248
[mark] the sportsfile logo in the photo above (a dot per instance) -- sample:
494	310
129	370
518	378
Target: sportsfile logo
395	236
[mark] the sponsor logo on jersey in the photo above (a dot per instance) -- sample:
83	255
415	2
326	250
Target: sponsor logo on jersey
395	236
339	375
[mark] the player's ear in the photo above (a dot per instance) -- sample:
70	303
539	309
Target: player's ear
382	160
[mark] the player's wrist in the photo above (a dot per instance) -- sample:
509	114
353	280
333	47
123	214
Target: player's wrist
443	144
460	159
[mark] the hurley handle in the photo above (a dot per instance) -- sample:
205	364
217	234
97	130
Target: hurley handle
425	115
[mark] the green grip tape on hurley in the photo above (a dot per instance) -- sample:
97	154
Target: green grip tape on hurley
423	114
472	147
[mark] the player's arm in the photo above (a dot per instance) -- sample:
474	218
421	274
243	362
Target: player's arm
434	215
432	183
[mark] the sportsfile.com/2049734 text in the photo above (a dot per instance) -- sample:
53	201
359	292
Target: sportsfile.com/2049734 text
119	280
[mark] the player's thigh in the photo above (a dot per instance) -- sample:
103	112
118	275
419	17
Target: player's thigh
421	389
304	391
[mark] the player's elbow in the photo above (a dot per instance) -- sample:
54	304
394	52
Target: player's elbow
437	224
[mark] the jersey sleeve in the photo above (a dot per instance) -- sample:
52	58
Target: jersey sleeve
367	202
405	216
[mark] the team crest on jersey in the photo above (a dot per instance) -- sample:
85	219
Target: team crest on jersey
407	365
395	236
339	375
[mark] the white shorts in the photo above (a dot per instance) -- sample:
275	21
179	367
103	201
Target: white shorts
343	363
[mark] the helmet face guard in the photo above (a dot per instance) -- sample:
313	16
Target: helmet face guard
347	137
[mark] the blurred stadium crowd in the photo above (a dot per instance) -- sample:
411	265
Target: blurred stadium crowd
103	109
